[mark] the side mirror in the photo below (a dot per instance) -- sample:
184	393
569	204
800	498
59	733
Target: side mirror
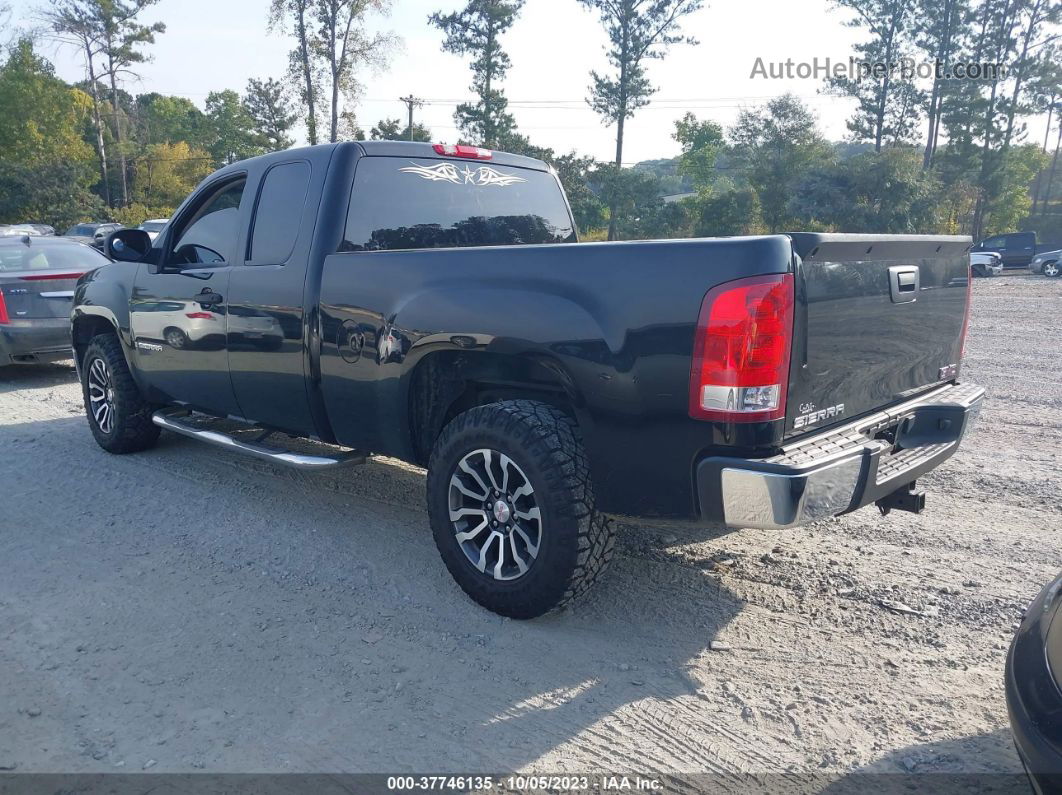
128	245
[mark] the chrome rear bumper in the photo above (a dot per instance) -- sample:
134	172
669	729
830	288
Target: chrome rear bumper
841	469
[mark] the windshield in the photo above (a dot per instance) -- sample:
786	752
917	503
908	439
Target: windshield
81	230
153	226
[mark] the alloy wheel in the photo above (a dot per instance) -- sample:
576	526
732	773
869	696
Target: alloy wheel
495	517
1051	269
101	395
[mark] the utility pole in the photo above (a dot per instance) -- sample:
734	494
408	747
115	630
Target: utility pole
411	102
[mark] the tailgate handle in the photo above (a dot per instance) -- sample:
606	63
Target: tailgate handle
903	283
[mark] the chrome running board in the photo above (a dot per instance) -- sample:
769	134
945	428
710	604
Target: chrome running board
181	421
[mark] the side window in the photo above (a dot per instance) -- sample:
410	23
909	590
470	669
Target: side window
209	237
278	215
996	242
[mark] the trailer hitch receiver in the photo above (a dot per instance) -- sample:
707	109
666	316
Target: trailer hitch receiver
906	498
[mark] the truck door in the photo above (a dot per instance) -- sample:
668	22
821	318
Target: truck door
267	350
177	311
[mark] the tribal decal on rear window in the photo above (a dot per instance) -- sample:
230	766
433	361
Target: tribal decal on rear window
484	176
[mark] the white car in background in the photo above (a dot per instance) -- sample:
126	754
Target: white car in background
1047	263
154	226
985	263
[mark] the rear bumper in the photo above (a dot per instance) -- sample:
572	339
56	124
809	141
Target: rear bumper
841	469
1034	702
36	340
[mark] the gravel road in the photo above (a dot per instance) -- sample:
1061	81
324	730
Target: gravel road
187	609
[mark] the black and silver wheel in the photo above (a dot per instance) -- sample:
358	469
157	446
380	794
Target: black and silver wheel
118	416
1051	269
493	513
101	395
512	508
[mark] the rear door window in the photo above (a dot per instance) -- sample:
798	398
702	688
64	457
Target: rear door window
415	203
278	215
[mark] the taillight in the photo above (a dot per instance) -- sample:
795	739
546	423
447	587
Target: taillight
3	309
966	316
741	350
199	315
50	277
460	150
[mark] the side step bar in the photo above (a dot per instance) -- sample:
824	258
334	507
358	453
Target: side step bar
177	420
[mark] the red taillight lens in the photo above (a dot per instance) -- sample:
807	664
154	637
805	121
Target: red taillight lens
460	150
50	277
3	309
741	350
199	315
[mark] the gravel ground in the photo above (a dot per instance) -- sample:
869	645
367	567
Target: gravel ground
187	609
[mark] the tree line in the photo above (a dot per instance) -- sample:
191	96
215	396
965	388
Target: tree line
938	155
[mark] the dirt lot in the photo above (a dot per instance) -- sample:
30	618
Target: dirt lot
186	609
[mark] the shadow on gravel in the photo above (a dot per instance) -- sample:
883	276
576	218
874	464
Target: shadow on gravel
982	763
309	619
22	377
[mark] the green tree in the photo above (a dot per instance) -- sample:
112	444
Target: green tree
167	172
776	146
304	71
234	137
638	30
72	22
575	172
46	167
633	199
476	30
701	142
166	119
332	43
395	130
726	213
885	191
121	38
889	101
343	45
941	29
271	113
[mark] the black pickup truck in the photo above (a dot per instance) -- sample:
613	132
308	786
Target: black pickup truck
430	303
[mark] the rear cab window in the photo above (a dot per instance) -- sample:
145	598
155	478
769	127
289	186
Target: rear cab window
278	214
416	203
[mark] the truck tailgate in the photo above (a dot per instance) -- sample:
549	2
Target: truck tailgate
879	319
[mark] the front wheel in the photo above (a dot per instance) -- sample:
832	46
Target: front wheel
118	416
512	508
1051	269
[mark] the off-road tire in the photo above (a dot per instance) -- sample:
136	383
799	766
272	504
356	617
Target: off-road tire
576	542
131	428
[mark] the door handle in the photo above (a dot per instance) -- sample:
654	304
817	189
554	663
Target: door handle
208	298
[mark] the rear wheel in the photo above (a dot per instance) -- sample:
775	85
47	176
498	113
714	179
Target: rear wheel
512	508
1051	269
119	417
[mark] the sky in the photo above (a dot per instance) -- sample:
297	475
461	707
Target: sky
210	45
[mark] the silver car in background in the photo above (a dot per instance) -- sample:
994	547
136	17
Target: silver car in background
37	278
1047	263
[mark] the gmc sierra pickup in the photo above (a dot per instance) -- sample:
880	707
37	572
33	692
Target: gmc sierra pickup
429	303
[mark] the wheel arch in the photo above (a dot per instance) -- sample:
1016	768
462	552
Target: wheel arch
446	383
